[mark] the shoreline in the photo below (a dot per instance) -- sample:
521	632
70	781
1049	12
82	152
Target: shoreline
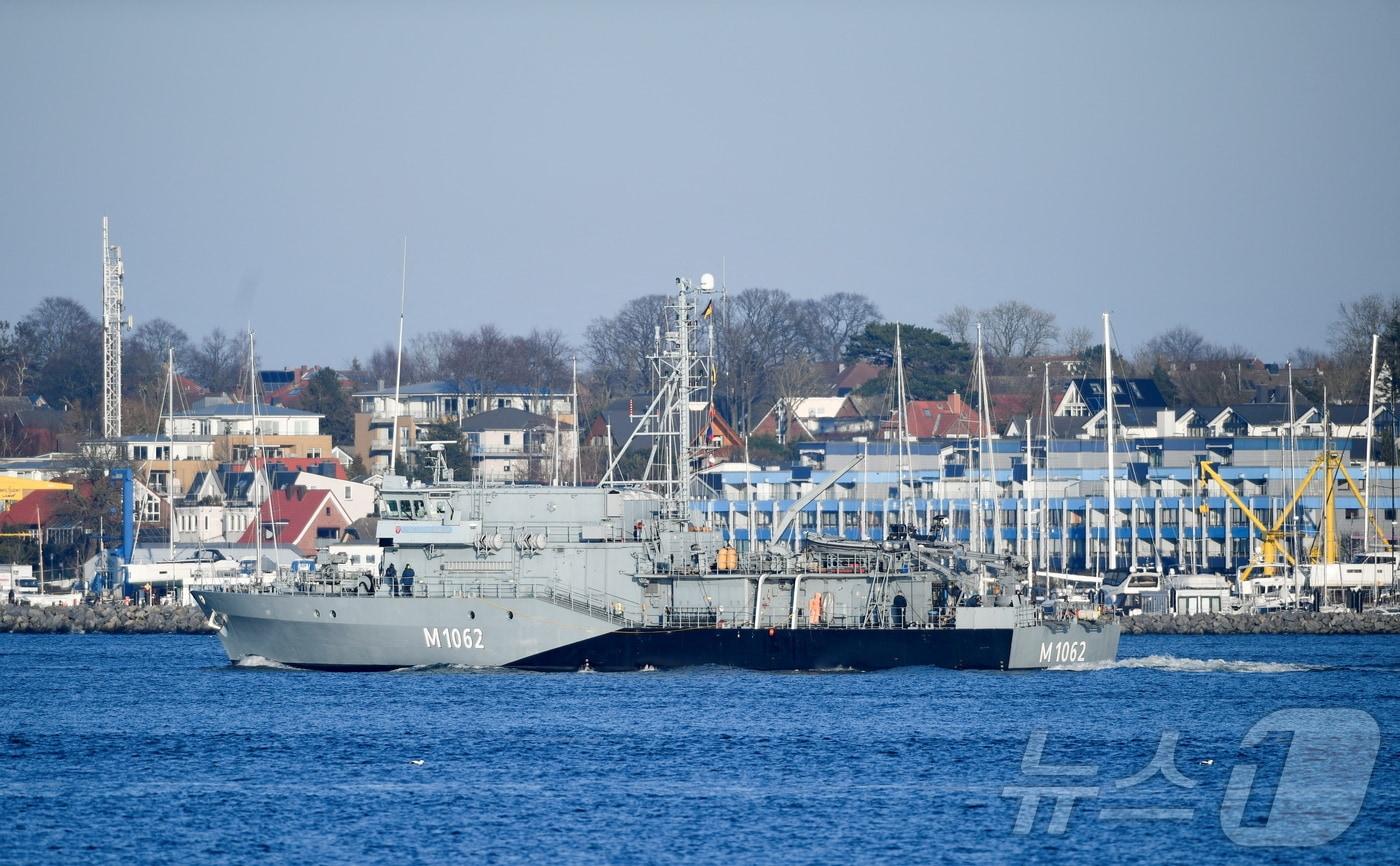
103	618
1281	622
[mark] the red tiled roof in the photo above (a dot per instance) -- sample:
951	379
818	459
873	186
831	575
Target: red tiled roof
928	419
294	509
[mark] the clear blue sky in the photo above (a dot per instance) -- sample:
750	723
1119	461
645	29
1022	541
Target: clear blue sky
1233	166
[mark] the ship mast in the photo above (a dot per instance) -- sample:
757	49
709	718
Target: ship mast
684	365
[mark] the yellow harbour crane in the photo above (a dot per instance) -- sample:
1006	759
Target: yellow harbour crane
1273	547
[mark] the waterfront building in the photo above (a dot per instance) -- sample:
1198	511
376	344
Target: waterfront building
1052	507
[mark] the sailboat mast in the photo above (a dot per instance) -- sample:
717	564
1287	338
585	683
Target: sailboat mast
398	364
1108	411
170	479
1045	498
1027	548
577	420
984	442
258	472
902	430
1293	482
1370	434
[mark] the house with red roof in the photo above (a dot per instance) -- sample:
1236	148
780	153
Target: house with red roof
934	419
300	519
797	419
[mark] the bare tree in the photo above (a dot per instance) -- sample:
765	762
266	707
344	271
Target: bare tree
430	351
758	334
14	361
617	347
1180	344
1016	329
548	358
834	319
1077	340
65	361
795	379
493	358
143	365
159	336
217	363
957	323
1357	321
383	365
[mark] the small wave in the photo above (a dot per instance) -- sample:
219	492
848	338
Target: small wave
260	662
1192	666
446	668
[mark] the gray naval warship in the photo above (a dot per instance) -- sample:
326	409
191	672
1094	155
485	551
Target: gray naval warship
626	576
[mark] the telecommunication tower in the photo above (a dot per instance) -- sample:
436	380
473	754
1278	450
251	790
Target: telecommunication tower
112	322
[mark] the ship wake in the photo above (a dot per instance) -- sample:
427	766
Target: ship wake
1174	664
258	662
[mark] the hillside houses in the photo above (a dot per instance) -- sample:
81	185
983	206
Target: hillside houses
442	402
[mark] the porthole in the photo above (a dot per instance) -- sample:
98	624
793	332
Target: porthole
471	614
332	614
317	613
510	614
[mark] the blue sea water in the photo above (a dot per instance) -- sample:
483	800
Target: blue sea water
153	749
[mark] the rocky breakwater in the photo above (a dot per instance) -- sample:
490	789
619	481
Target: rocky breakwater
104	618
1280	622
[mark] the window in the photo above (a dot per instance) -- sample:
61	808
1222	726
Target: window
506	438
1353	513
347	493
1390	514
325	532
138	452
500	403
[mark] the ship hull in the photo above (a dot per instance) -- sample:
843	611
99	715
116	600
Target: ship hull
348	633
835	649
